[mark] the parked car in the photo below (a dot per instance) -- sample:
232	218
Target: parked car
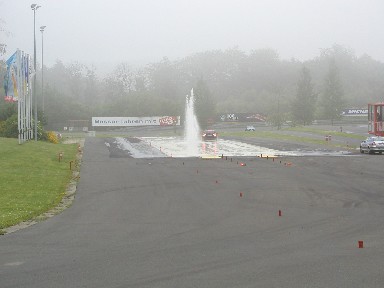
209	135
250	128
372	145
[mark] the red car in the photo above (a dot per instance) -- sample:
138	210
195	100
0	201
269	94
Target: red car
209	135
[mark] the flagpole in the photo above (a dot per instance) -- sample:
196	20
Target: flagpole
34	7
20	93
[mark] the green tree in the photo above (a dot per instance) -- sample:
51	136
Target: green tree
303	105
277	109
164	80
91	91
204	104
332	97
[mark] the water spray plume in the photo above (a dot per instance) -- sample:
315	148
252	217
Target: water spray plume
192	130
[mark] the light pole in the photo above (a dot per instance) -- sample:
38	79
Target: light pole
42	64
34	7
2	49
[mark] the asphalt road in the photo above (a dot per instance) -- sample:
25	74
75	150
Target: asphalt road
170	222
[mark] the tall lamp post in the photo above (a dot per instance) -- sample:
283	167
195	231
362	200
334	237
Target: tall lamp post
34	7
2	49
42	64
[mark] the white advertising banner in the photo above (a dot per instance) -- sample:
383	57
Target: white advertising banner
136	121
355	112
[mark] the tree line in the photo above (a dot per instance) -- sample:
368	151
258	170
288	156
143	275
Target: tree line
229	81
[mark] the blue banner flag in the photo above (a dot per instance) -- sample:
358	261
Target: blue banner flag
11	59
10	79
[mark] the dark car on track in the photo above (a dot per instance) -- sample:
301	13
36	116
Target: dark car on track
372	145
209	135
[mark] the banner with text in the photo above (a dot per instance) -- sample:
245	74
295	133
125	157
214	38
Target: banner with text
136	121
355	112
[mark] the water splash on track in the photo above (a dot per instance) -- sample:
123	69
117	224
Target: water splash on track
151	147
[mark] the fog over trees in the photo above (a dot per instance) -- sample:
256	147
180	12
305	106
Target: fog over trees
276	58
230	81
304	104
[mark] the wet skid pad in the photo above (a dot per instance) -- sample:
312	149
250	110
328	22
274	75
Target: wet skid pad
149	147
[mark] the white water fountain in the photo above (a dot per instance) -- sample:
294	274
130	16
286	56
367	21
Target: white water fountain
191	128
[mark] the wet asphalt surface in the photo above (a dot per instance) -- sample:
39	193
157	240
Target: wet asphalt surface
188	222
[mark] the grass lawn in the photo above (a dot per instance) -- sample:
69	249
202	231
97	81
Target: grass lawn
32	180
325	132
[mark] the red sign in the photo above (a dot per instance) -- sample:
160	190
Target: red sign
168	120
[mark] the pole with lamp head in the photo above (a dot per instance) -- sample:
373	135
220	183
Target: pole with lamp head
42	65
34	7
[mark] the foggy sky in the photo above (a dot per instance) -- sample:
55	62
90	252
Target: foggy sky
142	31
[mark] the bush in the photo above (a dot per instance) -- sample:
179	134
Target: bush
8	128
2	128
52	137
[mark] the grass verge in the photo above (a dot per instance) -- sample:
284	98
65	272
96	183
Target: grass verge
32	179
310	138
325	132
